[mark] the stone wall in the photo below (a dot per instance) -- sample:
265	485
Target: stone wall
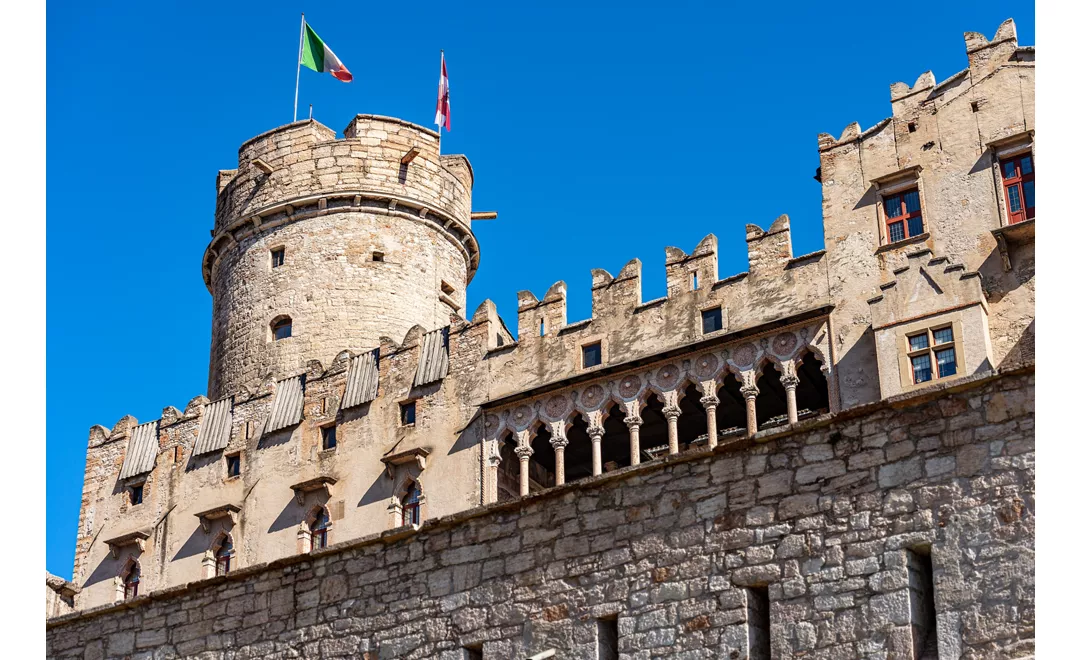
827	526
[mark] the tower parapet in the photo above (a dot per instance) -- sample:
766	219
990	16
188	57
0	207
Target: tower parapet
342	240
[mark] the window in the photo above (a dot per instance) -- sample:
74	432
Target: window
408	413
131	582
329	437
232	466
320	529
473	652
921	601
758	622
446	288
607	638
590	355
1018	178
135	494
281	327
410	505
694	282
223	556
277	257
912	127
932	354
376	256
903	215
712	320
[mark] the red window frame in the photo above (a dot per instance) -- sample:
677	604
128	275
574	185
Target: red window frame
410	506
1026	211
131	583
905	216
319	530
223	557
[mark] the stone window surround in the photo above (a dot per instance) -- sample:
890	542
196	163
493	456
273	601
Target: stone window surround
209	561
304	535
1005	148
586	342
630	389
707	307
929	324
890	184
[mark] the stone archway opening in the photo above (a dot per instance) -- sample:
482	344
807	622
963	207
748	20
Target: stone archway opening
578	449
693	425
615	444
542	462
654	429
771	398
731	411
812	392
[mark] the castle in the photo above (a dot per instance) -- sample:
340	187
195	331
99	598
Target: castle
842	442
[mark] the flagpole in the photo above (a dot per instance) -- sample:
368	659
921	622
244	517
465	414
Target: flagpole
442	55
299	58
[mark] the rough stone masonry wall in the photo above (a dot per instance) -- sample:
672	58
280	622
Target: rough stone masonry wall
822	517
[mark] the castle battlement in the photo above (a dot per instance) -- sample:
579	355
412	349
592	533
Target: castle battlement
349	393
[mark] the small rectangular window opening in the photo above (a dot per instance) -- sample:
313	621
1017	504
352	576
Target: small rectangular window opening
329	437
232	466
135	494
758	623
607	638
694	274
712	320
408	413
921	599
590	355
541	327
912	127
474	652
376	256
974	106
277	257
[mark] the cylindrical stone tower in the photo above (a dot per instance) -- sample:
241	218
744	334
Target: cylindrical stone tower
334	243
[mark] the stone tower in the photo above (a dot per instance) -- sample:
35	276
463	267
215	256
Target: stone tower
375	233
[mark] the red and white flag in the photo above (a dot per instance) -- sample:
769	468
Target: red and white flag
442	110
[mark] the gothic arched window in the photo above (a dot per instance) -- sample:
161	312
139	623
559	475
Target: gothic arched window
131	582
410	505
281	328
320	528
223	556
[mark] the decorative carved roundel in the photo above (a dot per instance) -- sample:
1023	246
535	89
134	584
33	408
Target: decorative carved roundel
705	365
784	343
629	386
556	406
667	376
592	397
521	415
744	355
491	422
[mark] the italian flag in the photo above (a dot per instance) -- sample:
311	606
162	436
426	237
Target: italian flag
317	56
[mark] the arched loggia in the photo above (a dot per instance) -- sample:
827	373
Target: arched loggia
771	398
812	392
731	411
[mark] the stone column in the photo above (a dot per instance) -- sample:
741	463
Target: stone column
750	393
559	442
711	402
523	451
493	473
596	433
633	422
672	412
789	383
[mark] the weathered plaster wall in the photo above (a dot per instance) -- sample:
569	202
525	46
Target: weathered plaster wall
821	517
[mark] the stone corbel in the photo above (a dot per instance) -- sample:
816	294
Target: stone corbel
312	485
137	538
224	511
417	456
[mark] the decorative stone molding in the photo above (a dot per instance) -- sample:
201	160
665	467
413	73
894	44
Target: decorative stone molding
313	485
225	511
416	456
136	538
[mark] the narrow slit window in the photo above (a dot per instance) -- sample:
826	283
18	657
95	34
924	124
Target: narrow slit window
277	257
542	327
758	623
921	599
135	494
232	466
408	413
694	280
607	638
329	437
711	320
590	355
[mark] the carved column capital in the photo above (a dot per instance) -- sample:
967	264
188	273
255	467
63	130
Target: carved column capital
749	391
596	432
672	411
789	381
711	401
559	442
523	451
633	421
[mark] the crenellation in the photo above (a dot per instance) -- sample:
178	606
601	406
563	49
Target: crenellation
764	445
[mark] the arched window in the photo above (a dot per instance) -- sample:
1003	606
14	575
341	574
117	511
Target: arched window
131	582
281	328
410	505
223	556
320	528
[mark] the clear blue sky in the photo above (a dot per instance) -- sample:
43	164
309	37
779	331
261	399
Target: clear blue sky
600	132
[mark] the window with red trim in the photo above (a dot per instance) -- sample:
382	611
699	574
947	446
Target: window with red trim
131	582
1018	178
223	557
410	506
320	528
903	215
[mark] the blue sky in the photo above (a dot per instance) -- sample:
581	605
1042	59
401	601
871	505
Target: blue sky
600	132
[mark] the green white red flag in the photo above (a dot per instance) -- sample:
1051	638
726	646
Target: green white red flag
317	56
